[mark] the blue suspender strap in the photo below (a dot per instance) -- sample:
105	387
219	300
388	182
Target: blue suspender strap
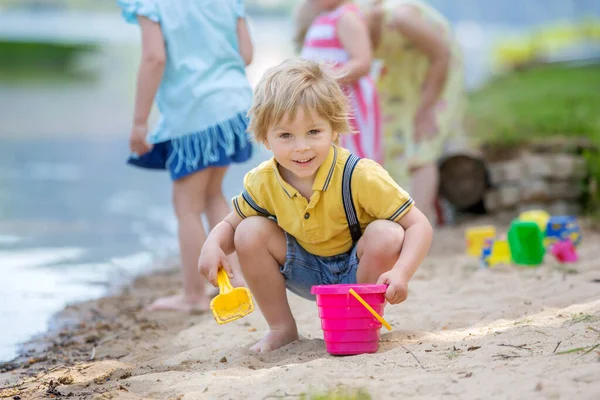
353	223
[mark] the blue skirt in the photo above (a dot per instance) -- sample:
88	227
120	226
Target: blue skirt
217	146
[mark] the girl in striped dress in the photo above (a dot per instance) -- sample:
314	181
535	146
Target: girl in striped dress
339	35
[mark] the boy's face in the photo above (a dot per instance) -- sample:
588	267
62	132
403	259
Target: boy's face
301	145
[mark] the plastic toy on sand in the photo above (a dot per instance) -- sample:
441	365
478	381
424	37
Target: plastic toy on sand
564	251
348	327
562	227
540	217
526	243
495	252
476	238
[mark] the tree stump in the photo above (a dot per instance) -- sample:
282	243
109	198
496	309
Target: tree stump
463	180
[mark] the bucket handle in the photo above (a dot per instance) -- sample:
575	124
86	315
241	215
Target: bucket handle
368	307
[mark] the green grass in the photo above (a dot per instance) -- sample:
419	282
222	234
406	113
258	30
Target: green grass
582	318
20	54
24	61
587	350
556	102
531	105
339	394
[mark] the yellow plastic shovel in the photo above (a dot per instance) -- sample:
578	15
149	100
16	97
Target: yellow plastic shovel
368	307
231	303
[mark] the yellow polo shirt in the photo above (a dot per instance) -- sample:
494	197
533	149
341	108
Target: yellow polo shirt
319	224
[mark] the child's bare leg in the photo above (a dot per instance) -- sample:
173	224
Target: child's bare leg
189	204
424	189
261	247
217	209
378	250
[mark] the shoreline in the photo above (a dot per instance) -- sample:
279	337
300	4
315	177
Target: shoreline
63	318
74	319
449	330
86	331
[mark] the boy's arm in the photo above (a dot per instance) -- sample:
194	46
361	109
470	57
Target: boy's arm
418	234
217	246
244	41
220	241
223	233
354	36
417	240
381	197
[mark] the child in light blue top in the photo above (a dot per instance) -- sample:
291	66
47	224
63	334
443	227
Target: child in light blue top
194	54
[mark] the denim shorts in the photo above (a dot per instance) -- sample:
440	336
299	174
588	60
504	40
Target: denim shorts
303	270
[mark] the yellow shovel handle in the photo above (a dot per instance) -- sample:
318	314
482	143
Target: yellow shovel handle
368	307
223	281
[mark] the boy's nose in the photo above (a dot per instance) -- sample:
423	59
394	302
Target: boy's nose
302	145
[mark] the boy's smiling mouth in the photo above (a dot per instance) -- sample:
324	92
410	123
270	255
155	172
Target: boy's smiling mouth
304	161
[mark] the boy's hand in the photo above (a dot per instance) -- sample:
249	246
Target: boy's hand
209	262
397	290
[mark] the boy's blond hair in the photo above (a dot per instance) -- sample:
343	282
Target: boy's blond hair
293	85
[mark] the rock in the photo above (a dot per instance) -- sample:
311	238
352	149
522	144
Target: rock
96	372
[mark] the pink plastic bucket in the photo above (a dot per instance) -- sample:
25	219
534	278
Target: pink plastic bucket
348	327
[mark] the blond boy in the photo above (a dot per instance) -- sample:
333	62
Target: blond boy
314	213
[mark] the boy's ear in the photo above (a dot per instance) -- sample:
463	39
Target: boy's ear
266	144
335	138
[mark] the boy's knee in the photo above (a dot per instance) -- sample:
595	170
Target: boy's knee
251	233
383	238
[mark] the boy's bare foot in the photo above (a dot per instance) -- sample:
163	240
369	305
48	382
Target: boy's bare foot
275	339
179	303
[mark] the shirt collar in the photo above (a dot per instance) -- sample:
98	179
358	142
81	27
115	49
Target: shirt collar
287	188
325	171
322	179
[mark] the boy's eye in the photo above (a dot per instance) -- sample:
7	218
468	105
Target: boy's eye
314	131
285	135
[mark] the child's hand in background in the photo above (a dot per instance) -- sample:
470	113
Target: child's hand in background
137	140
426	126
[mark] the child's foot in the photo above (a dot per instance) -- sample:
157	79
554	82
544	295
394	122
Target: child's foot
180	303
274	340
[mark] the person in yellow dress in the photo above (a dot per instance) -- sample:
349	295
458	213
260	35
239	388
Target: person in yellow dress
421	88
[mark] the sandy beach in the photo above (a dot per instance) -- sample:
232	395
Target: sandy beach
464	332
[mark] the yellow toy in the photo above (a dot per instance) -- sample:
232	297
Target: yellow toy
495	252
540	217
476	237
231	303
